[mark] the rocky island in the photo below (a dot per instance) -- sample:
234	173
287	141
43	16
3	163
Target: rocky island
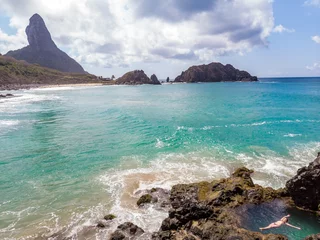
137	77
214	72
43	51
208	210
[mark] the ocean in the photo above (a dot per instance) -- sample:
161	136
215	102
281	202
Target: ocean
71	155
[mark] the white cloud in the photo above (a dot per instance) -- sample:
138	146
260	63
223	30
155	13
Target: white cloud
281	29
312	3
315	66
115	33
316	39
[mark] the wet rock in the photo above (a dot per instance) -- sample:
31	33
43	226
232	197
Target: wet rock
101	224
136	77
313	237
147	198
214	72
304	188
109	217
127	230
159	197
6	95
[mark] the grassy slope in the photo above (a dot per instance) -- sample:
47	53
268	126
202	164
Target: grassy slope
16	73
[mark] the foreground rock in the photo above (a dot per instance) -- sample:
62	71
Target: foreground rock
206	210
43	51
214	72
136	77
127	231
159	197
304	188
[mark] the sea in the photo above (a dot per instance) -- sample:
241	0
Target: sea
70	155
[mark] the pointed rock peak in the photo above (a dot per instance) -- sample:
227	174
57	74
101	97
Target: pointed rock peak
38	35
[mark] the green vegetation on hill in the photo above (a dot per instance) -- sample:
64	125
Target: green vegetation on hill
17	74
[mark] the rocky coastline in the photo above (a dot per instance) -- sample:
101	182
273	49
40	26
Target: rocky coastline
208	210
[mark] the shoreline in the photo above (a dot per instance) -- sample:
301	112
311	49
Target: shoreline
15	87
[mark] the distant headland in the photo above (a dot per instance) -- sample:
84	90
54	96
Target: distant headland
43	63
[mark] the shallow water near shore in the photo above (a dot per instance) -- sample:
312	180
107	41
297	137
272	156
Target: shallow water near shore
71	155
256	216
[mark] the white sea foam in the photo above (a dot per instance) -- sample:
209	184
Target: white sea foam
123	185
8	123
18	104
159	144
292	135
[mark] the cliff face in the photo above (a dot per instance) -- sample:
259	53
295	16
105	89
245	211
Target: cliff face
214	72
43	51
136	77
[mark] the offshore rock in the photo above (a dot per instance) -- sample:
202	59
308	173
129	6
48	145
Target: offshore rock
127	231
136	77
154	78
207	210
43	51
304	188
214	72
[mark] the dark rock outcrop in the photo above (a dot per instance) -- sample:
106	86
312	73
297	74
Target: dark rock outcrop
154	78
313	237
8	95
206	210
127	231
157	196
136	77
214	72
304	188
43	51
109	217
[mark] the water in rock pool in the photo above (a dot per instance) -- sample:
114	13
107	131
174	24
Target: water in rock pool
71	155
256	216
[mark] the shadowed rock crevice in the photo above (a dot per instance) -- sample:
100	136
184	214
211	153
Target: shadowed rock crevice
42	49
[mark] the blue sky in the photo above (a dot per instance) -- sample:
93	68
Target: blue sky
288	54
168	36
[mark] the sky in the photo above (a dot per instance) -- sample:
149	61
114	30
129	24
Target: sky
267	38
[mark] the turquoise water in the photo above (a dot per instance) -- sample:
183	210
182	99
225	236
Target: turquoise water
70	155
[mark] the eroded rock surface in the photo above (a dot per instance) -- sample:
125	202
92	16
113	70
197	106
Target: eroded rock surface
304	188
159	197
126	231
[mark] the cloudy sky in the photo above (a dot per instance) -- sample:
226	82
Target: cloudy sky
267	38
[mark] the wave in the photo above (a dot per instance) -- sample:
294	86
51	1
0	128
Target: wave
123	185
251	124
292	135
19	103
